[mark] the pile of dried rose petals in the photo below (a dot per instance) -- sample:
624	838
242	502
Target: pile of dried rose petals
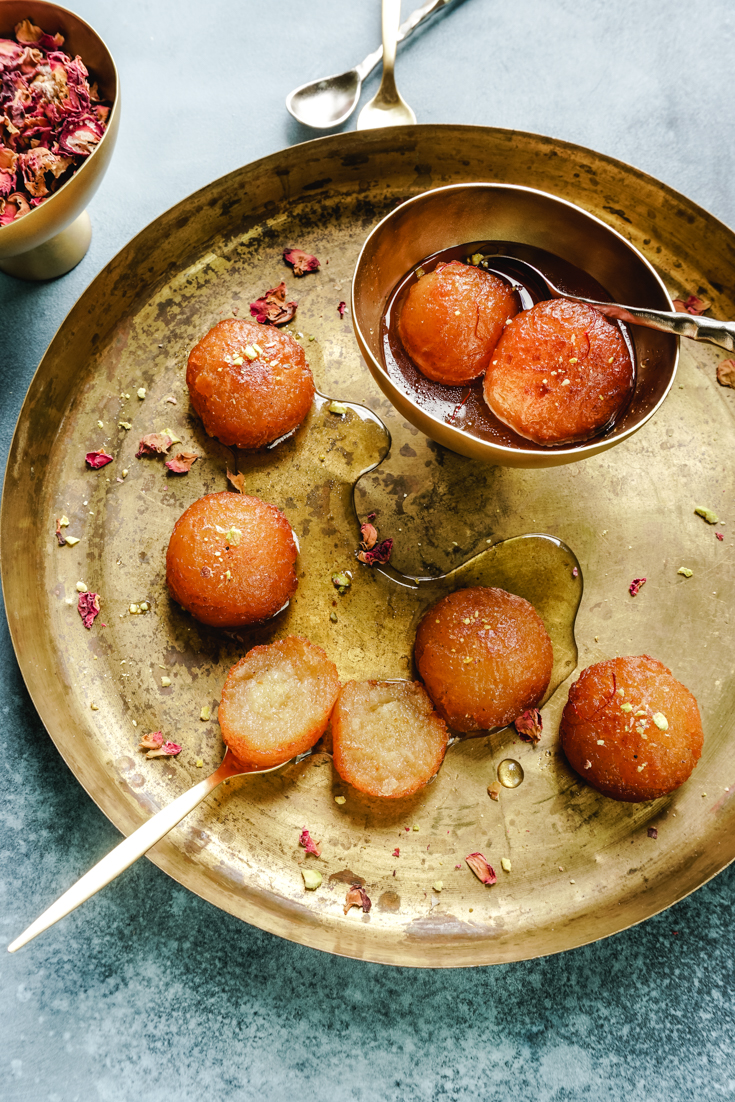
50	118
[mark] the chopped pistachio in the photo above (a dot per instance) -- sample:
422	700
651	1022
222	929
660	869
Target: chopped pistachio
205	713
125	472
706	514
312	879
416	826
626	707
199	763
165	682
94	707
228	575
419	273
661	721
250	352
141	392
312	338
134	610
476	258
172	436
338	408
685	571
144	606
505	863
63	522
81	587
333	617
238	361
72	540
340	800
233	537
438	885
641	712
125	425
341	581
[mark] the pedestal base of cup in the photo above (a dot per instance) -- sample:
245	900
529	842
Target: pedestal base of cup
54	257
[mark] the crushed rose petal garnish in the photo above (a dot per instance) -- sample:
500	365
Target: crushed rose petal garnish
62	541
396	852
237	480
726	373
652	832
635	586
151	741
97	459
719	535
182	462
368	534
271	308
357	897
379	554
575	572
50	119
88	607
301	262
530	725
155	443
168	750
691	305
341	309
309	845
481	869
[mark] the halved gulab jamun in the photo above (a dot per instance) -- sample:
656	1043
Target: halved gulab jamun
230	560
451	321
484	656
276	702
387	738
249	383
561	372
631	729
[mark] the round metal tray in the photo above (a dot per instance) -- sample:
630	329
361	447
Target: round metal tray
583	866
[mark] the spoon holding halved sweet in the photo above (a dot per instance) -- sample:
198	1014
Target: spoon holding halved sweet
697	328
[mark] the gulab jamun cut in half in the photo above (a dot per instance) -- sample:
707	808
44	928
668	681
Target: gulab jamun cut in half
451	321
230	560
249	383
484	656
631	729
387	739
560	374
276	702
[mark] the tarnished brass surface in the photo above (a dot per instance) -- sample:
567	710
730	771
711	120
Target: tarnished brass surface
582	866
47	242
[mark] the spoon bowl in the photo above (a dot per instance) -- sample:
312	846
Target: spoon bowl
325	103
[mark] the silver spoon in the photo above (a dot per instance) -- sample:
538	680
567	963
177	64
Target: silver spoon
325	103
387	108
138	843
697	328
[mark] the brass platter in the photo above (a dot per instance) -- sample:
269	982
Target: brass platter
583	866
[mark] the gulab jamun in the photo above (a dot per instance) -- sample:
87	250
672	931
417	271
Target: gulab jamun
277	700
484	656
451	321
631	729
249	383
230	560
387	738
560	373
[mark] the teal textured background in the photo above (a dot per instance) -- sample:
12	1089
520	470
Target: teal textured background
148	993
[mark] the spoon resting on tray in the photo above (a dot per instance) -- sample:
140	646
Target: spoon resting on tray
329	102
387	107
696	328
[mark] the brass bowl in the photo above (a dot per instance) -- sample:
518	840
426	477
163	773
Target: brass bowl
52	238
462	213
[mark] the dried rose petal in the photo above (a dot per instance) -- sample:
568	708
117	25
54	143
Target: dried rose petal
341	309
152	741
155	443
635	586
692	305
272	308
206	572
357	897
182	462
719	535
301	262
97	459
379	554
530	725
481	869
575	572
726	373
168	750
368	536
652	832
237	480
396	852
88	606
309	845
60	534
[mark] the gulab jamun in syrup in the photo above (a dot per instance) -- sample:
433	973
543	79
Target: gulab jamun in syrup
230	560
560	373
484	656
249	383
387	738
631	729
276	702
452	319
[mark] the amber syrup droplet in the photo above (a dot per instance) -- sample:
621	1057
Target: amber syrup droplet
510	773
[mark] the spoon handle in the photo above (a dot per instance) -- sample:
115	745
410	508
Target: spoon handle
408	27
696	328
133	847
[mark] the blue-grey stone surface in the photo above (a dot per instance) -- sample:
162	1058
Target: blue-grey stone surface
148	993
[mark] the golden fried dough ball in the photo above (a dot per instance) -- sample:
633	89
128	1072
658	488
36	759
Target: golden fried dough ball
451	321
387	738
631	729
485	657
276	701
249	383
230	560
560	373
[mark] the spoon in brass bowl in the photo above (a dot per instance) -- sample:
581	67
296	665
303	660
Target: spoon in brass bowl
138	843
696	328
329	102
387	108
